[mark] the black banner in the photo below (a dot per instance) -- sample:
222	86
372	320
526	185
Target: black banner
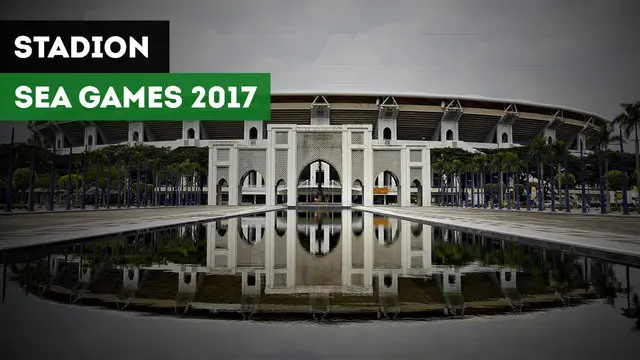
84	46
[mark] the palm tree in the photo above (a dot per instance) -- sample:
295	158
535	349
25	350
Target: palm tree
602	139
477	166
629	121
456	169
439	166
539	150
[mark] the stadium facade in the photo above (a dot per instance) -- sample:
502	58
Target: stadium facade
343	148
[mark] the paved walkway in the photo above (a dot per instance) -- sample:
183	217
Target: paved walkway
614	234
43	228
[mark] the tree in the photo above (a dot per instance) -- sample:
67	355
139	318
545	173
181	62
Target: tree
615	180
560	180
21	178
629	121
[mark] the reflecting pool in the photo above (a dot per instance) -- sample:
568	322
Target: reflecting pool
322	266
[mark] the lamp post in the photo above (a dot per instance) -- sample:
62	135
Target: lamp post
69	179
553	195
567	208
625	203
582	179
9	185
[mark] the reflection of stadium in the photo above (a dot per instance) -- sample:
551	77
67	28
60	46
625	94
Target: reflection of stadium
341	148
279	263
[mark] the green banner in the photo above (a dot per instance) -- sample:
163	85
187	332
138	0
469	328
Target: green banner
135	97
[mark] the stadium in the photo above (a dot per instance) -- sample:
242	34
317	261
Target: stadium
343	148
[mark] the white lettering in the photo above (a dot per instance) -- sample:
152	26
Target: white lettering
41	40
24	50
173	93
42	96
97	54
137	97
22	93
111	99
58	49
142	48
108	47
155	97
91	101
61	99
86	47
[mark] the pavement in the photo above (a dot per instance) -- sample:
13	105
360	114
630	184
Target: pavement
612	234
41	228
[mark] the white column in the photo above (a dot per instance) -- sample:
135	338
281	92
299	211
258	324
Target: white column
212	184
211	244
426	176
233	176
292	234
292	172
405	247
346	180
367	192
232	243
270	178
427	238
405	181
368	248
347	247
269	246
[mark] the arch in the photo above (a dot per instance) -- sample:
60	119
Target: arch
549	140
390	231
222	226
281	192
386	188
281	223
59	144
191	133
136	136
387	280
386	134
253	133
313	185
449	134
416	229
251	192
253	235
417	199
323	228
222	196
130	274
357	222
357	192
186	278
90	140
505	137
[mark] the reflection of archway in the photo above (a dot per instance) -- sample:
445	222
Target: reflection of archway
416	229
221	227
222	192
191	133
252	233
281	192
386	189
386	230
319	232
505	137
251	188
357	192
319	181
357	222
281	223
253	133
416	196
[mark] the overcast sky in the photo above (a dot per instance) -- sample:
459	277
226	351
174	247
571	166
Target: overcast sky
577	53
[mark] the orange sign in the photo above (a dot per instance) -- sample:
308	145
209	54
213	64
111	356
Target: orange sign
380	221
380	191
